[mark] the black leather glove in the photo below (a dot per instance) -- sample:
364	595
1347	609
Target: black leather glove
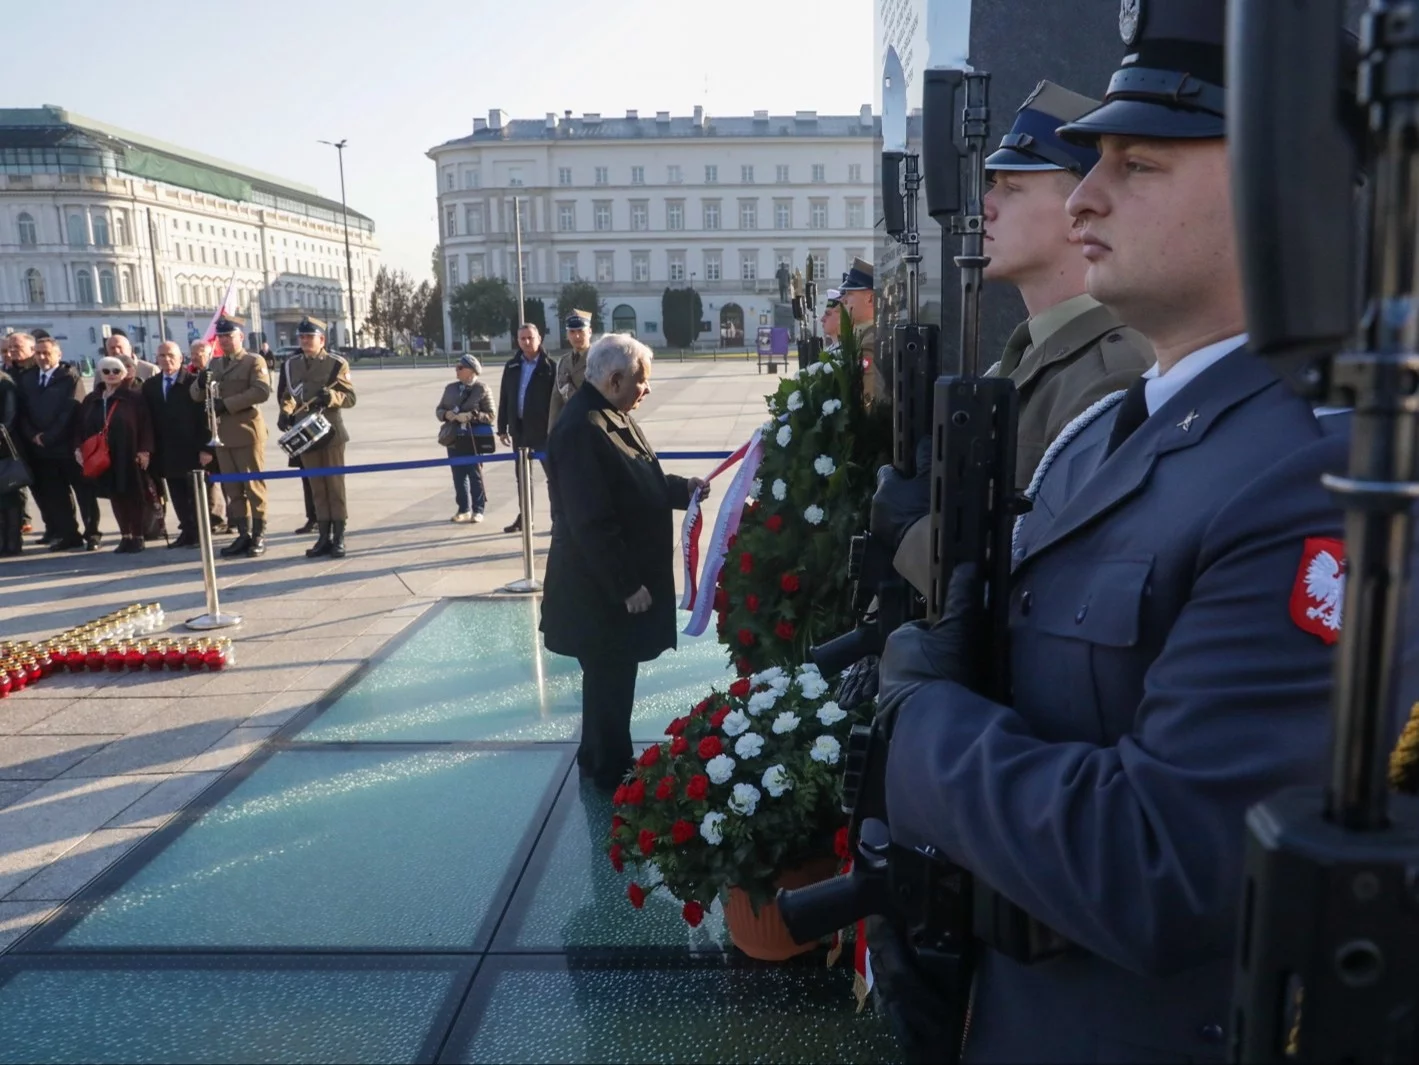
322	400
900	501
918	653
859	683
913	1006
220	406
283	421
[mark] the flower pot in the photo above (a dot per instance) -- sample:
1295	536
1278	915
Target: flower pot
764	935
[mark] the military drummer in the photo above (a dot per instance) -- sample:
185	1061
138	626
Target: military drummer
242	386
319	381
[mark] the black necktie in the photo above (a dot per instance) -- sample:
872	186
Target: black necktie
167	383
1132	413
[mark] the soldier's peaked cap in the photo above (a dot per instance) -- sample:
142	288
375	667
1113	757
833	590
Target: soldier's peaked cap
858	278
311	326
228	325
1033	144
1172	83
579	320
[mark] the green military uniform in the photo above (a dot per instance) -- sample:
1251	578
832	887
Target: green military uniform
571	369
874	385
321	382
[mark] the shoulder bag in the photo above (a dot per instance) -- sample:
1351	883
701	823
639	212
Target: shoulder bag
14	474
93	452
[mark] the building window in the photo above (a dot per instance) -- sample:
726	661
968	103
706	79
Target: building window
34	287
120	229
605	269
472	179
711	214
637	175
184	294
748	214
566	267
566	217
564	175
452	274
818	214
204	255
477	268
820	173
640	216
711	175
746	175
84	282
28	233
473	218
713	267
783	214
226	257
514	176
248	260
640	266
673	174
748	266
677	265
526	267
675	214
854	173
820	265
603	175
78	230
856	211
448	179
602	215
781	173
108	290
100	222
450	221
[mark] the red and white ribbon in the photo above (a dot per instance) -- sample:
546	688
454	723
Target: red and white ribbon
726	525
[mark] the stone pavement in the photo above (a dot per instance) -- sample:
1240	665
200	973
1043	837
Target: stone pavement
92	763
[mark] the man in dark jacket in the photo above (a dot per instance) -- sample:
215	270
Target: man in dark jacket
610	583
525	402
50	394
179	430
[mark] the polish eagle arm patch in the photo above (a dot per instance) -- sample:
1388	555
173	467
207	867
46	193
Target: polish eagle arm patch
1318	594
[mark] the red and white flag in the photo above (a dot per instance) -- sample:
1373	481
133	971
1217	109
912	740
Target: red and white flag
228	306
726	525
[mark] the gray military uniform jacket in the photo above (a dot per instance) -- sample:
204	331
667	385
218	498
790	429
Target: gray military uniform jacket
571	375
242	385
1162	686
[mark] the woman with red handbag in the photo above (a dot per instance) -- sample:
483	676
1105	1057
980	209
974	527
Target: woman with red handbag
113	441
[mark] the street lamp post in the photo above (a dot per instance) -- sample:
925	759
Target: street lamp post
349	266
694	319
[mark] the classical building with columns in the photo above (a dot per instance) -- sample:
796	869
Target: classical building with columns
640	204
98	225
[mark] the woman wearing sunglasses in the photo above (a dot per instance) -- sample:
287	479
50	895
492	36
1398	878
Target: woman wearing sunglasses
116	408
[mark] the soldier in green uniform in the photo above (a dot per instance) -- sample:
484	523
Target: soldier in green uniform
242	386
857	295
319	380
571	370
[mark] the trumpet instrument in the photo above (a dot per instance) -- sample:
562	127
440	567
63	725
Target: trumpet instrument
211	404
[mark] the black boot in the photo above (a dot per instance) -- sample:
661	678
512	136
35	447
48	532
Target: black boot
337	539
322	543
257	547
12	540
239	545
308	527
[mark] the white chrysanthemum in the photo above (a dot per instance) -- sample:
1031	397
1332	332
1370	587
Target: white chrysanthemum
831	713
735	723
768	676
755	487
785	722
779	488
761	701
808	667
719	768
749	745
831	407
812	685
744	800
825	465
712	828
785	434
780	684
795	401
826	750
814	515
776	780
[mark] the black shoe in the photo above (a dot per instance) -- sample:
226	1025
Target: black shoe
516	526
337	539
322	543
237	546
308	528
125	546
256	547
184	539
47	538
68	543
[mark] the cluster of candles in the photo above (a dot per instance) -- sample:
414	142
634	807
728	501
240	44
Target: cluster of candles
117	642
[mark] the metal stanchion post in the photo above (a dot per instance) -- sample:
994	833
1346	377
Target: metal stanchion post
528	583
214	618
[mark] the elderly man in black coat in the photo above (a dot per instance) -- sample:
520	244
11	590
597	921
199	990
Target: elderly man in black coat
610	582
180	428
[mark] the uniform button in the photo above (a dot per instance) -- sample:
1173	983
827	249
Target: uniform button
1079	617
1212	1033
1027	600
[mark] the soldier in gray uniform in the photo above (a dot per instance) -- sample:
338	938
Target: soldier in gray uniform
1171	663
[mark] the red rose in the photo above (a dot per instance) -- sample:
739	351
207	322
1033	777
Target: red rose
710	747
717	718
746	637
679	745
693	913
636	894
746	563
678	725
789	582
739	688
646	841
619	799
635	793
665	788
615	855
721	600
649	756
700	708
775	523
743	666
681	832
784	630
697	788
840	843
733	539
751	603
617	822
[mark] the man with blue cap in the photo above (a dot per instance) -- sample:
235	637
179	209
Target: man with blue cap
571	367
1171	635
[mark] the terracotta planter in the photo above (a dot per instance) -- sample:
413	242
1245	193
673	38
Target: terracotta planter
764	935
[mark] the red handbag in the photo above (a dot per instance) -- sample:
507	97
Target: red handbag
93	452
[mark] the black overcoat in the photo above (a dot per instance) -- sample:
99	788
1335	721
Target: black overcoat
614	533
528	429
180	425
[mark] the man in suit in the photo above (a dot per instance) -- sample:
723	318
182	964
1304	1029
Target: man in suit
1170	666
50	394
180	430
610	587
525	404
18	349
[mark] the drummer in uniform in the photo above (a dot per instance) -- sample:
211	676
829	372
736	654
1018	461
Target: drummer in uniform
571	370
318	381
242	386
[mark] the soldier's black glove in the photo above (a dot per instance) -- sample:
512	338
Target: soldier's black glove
918	653
322	400
859	683
900	502
913	1006
283	421
220	406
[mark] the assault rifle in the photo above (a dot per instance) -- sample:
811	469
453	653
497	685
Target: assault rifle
805	312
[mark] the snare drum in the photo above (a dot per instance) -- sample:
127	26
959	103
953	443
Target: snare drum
305	434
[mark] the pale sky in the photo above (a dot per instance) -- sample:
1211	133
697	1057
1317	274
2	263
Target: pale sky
259	81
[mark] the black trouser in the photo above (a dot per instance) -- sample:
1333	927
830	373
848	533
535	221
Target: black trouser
184	503
608	692
58	482
517	476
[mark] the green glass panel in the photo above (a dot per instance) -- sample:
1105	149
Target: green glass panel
337	848
550	1013
477	671
571	897
208	1011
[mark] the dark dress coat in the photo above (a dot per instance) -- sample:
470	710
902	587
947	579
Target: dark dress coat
50	411
180	425
528	429
614	533
130	432
10	419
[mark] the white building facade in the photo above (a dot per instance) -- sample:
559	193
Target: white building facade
98	226
637	205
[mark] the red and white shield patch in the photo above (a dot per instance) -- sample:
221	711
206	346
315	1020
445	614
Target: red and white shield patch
1318	596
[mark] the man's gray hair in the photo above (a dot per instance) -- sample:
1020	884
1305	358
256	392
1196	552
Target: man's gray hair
616	353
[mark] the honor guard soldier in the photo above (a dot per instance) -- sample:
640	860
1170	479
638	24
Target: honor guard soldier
242	385
831	320
319	382
857	295
1172	618
571	370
